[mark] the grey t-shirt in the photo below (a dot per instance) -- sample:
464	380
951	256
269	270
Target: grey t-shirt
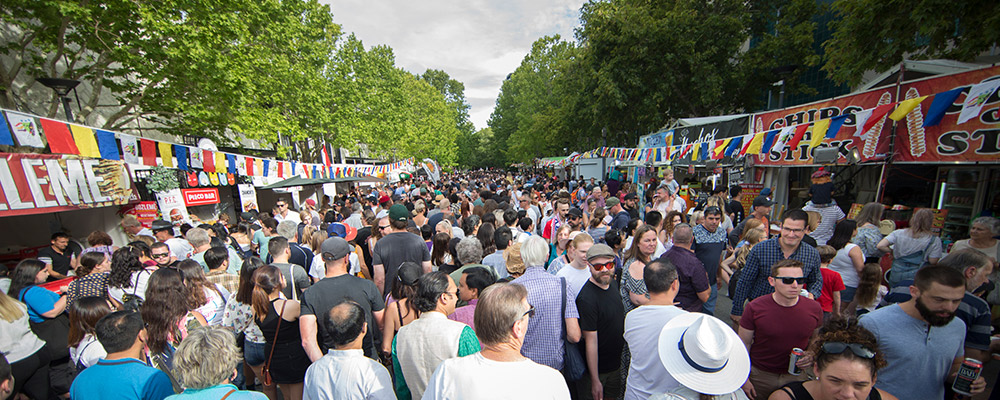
904	244
301	279
328	292
395	249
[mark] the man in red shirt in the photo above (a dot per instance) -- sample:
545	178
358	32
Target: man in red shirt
773	325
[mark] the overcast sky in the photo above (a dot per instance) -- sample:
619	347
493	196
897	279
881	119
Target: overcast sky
477	42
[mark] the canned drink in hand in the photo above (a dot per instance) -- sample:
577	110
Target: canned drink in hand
804	293
793	369
967	373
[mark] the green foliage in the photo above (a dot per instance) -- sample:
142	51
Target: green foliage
871	35
162	179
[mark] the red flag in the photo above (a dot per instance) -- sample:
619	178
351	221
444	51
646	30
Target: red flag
208	161
281	169
800	132
250	163
148	152
877	115
58	136
326	156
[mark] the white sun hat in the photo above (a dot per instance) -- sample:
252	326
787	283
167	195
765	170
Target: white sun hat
704	354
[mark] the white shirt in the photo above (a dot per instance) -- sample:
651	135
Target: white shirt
575	278
646	374
87	352
180	248
844	265
347	375
144	232
318	268
476	377
292	216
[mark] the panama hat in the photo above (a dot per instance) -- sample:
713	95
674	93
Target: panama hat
704	354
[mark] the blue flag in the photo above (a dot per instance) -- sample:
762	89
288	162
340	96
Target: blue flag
942	101
107	145
733	145
231	160
769	141
182	156
5	137
835	124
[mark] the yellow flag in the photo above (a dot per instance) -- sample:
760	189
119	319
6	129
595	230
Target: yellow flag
220	162
258	168
166	153
722	147
904	107
757	143
819	131
85	141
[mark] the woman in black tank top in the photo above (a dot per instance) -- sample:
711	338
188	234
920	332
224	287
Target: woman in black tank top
847	360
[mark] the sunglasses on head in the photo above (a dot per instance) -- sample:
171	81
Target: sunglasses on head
788	280
840	347
607	265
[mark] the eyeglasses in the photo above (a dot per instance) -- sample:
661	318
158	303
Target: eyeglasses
163	255
789	280
530	313
282	205
792	230
840	347
607	265
381	227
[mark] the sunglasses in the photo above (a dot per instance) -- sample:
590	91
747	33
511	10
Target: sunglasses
607	265
161	255
788	281
380	227
840	347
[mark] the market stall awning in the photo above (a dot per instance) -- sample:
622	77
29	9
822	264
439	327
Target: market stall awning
296	181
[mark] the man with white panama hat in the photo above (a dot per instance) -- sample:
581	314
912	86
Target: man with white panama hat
705	356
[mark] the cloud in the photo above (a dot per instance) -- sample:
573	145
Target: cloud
477	42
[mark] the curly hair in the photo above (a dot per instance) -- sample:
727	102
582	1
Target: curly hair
124	262
846	331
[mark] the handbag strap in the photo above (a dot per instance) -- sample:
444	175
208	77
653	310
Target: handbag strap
562	313
275	341
231	391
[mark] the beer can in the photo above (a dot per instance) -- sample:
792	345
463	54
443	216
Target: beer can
967	373
793	369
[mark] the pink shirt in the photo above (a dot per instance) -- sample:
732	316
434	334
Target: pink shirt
465	314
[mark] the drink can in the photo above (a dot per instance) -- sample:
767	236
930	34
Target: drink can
793	369
967	373
804	293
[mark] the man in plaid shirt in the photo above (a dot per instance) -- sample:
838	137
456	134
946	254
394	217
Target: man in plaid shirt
753	278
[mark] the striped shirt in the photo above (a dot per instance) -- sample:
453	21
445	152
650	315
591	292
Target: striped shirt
753	278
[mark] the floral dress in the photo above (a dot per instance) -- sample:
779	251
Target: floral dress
629	285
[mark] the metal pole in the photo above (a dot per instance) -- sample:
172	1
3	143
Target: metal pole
69	112
781	95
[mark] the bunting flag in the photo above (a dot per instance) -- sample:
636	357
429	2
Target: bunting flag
5	137
769	141
182	156
250	166
704	152
733	145
166	154
241	165
281	169
85	141
148	152
754	146
326	156
197	158
267	164
220	162
208	159
107	145
860	119
878	114
904	107
974	101
835	124
800	132
58	136
259	166
819	132
231	163
784	135
723	145
130	149
941	103
314	172
26	129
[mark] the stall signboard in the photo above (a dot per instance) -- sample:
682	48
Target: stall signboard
144	211
977	140
47	183
749	192
658	139
711	132
875	145
940	215
248	197
200	197
169	201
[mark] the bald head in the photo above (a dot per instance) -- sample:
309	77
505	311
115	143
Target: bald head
346	326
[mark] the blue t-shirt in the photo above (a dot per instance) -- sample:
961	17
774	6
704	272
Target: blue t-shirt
126	379
919	355
217	392
39	301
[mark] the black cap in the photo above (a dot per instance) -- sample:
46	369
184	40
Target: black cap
576	212
631	196
160	225
762	201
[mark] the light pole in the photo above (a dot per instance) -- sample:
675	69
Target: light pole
62	86
783	71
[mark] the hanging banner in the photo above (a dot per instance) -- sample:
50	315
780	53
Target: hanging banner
248	197
875	144
684	135
172	206
144	211
977	140
658	139
47	183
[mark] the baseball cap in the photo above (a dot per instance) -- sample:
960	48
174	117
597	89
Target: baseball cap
631	196
381	214
335	248
611	202
342	231
762	201
600	250
398	212
311	202
576	212
384	199
160	225
765	192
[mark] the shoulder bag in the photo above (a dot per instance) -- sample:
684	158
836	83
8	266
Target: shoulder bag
573	363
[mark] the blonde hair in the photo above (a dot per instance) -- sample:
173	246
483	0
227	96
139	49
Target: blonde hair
11	310
814	220
206	357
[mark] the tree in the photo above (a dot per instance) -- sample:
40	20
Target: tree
429	123
875	35
454	93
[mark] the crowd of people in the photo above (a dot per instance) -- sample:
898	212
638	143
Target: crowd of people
492	285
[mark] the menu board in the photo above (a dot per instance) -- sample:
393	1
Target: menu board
855	209
939	217
750	191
